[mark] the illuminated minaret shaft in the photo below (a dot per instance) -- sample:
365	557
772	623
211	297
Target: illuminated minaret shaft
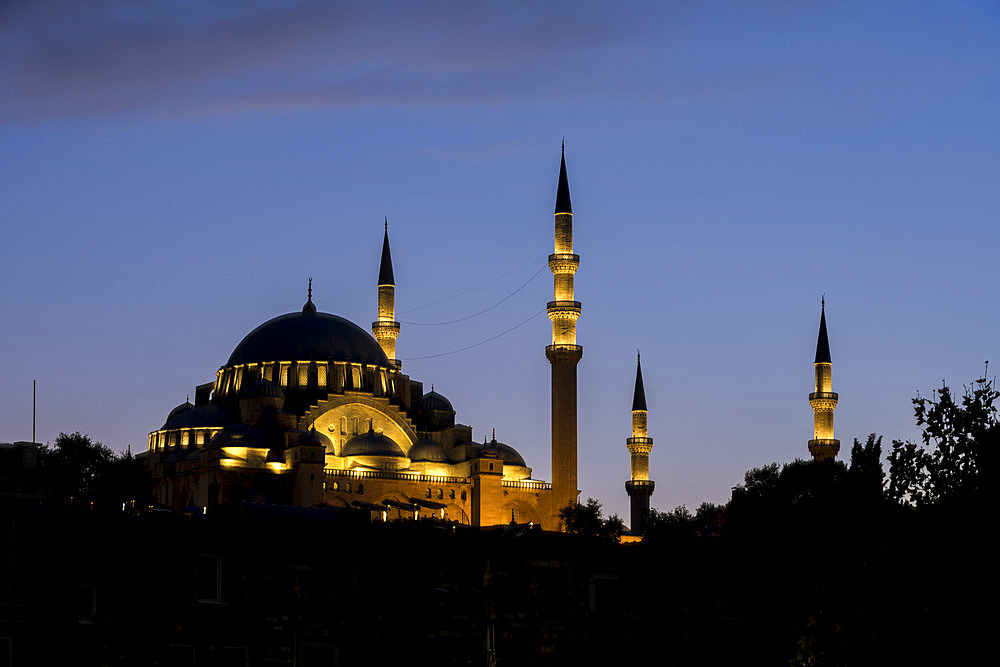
823	446
386	328
639	488
564	354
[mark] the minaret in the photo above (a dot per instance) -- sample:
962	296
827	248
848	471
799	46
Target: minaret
386	328
823	446
640	487
563	353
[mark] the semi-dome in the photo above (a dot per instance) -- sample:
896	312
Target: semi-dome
308	336
371	444
504	451
186	415
176	413
427	450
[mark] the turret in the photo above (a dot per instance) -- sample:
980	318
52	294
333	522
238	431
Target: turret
386	328
639	487
563	354
823	446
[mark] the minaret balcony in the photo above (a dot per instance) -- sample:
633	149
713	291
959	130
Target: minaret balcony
563	352
639	445
562	262
385	326
564	308
640	487
828	395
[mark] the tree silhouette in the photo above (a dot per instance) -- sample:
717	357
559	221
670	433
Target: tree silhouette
589	520
955	459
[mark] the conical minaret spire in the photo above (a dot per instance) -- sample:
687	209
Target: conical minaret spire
823	446
563	354
639	487
386	328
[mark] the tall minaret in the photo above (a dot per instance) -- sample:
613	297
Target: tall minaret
640	487
386	329
823	446
563	353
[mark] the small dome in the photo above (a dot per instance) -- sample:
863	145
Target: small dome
371	444
509	455
314	438
239	435
200	416
263	389
427	450
434	401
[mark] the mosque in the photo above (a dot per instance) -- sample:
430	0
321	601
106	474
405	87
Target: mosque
310	409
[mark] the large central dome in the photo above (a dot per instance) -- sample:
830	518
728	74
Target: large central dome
308	336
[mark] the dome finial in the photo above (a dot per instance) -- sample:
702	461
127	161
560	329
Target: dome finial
310	307
494	435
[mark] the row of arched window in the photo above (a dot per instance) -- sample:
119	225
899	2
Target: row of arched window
439	494
306	375
187	437
336	486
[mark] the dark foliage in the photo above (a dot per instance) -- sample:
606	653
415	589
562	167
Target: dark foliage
589	520
955	462
78	472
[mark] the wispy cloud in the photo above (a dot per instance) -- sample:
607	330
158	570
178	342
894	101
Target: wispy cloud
79	58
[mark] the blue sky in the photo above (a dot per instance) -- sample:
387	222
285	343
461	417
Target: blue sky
173	172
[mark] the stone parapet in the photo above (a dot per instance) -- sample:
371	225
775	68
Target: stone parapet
640	487
564	263
563	353
824	448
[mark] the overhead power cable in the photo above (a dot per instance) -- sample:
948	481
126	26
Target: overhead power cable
471	289
482	342
484	310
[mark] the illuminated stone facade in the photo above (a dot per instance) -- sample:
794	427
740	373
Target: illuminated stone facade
823	446
310	409
639	487
563	354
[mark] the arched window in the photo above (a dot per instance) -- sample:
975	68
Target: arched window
348	489
463	495
451	494
428	492
440	494
361	488
336	486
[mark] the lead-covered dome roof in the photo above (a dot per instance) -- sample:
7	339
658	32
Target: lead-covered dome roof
434	401
427	450
186	415
371	444
308	336
504	451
